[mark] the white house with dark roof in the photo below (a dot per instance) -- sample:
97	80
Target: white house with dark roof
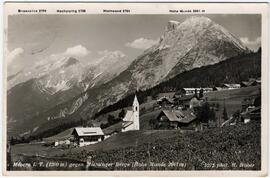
131	120
87	135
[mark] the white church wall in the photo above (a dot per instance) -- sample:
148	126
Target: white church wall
133	116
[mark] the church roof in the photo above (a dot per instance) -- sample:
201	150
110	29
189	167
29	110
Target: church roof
116	127
113	128
135	99
128	115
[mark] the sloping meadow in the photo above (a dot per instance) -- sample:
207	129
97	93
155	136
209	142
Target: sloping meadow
229	148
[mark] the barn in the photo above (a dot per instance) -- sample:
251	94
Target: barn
87	135
192	91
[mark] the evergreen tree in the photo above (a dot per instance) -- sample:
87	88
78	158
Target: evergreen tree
224	114
110	119
195	93
204	113
12	140
237	117
257	101
201	93
122	113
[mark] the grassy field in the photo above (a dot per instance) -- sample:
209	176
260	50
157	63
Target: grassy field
231	98
229	148
61	136
217	148
130	139
121	140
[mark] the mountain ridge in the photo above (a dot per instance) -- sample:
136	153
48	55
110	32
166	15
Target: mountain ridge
157	64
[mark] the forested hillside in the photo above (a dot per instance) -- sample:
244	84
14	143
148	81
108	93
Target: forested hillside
233	70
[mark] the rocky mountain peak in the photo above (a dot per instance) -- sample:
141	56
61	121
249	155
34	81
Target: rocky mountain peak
190	23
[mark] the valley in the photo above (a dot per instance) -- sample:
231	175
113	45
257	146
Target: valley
191	100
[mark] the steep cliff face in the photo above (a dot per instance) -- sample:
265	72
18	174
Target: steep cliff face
196	42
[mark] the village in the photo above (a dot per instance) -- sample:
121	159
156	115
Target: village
187	110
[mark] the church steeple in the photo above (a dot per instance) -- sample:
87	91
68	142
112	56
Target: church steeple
133	116
135	104
136	110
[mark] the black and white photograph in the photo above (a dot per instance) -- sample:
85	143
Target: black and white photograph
133	92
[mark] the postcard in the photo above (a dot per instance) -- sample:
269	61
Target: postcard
135	89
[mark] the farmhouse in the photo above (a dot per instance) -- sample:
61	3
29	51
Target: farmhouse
176	119
87	135
131	119
192	91
184	101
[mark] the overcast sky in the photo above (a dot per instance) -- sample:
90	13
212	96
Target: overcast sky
35	38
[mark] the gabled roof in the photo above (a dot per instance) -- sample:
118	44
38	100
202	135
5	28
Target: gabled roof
165	99
117	127
168	94
88	131
231	85
173	115
191	89
249	83
179	116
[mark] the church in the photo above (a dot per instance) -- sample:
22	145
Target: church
131	120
